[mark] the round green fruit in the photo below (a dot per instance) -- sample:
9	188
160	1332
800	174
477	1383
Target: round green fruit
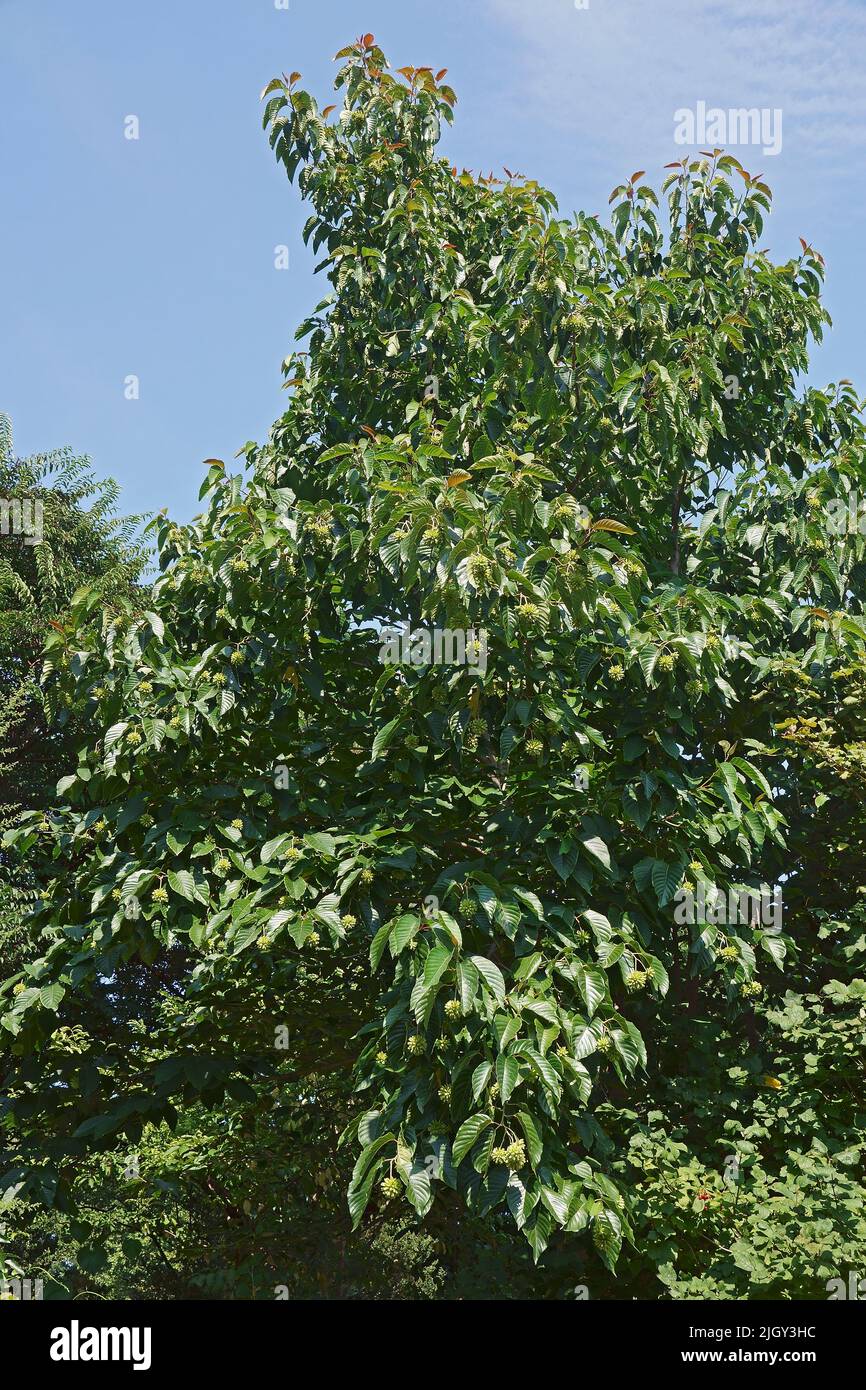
515	1155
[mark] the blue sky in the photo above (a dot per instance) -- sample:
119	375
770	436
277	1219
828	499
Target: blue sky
155	257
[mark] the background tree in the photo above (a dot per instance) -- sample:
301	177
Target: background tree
74	538
589	444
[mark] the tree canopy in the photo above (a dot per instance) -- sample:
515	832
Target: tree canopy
291	852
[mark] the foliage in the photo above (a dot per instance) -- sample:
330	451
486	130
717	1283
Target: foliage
75	538
755	1188
589	445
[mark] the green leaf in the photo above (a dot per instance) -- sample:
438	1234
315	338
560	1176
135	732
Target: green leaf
508	1075
595	846
436	964
592	984
383	738
666	879
607	1236
491	975
182	883
534	1146
419	1186
467	1135
115	733
328	911
322	843
403	930
245	937
469	978
549	1077
586	1039
358	1198
648	658
50	996
368	1153
480	1078
378	944
537	1231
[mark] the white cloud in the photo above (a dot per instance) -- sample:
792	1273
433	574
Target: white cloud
617	72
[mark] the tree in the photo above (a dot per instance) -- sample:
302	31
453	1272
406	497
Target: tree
438	719
59	531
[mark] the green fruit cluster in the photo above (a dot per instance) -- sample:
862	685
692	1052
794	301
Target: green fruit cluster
513	1157
479	571
529	614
